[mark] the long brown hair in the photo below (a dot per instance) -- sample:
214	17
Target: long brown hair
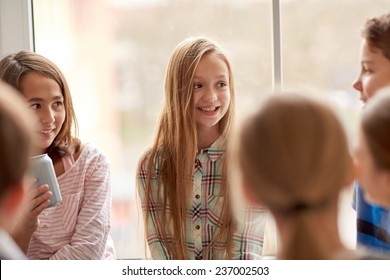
294	156
377	32
12	70
375	125
176	139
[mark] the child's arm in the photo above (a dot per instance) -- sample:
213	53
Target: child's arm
156	246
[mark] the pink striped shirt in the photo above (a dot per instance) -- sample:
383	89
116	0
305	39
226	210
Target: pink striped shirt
78	228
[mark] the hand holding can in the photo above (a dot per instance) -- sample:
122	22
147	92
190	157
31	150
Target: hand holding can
43	171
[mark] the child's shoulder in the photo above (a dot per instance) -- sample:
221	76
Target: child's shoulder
91	153
77	154
146	157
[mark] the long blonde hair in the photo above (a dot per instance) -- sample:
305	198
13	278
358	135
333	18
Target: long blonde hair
294	156
176	138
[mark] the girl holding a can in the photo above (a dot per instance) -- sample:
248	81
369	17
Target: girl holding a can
79	226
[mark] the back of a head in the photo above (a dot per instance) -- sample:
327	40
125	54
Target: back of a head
294	153
375	125
16	127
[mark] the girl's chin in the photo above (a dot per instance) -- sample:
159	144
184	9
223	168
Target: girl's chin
208	125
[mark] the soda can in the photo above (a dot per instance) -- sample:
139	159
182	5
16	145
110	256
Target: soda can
43	170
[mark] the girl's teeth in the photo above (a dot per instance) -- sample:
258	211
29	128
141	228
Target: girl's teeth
208	109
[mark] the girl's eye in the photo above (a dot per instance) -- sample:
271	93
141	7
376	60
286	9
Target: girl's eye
222	84
197	86
57	104
35	106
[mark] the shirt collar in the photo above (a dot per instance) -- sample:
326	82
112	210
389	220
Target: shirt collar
216	150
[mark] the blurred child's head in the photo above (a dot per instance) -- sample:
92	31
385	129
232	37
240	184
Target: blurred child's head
16	141
372	153
294	154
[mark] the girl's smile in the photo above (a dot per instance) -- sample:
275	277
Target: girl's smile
47	132
209	111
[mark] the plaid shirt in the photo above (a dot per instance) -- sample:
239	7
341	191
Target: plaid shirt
203	215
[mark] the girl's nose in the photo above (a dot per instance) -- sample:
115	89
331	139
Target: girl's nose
210	96
47	116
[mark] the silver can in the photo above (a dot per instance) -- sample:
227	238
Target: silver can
43	170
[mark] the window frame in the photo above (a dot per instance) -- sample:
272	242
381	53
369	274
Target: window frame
16	26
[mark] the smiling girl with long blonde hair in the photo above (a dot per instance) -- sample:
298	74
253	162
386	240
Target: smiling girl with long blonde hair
182	177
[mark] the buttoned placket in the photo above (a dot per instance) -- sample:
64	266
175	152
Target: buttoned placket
45	213
199	196
197	206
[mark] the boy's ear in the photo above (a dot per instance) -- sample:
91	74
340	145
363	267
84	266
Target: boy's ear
14	197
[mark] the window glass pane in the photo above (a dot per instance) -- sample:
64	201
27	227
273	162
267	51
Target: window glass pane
114	55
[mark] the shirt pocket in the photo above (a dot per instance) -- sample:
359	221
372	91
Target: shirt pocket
214	209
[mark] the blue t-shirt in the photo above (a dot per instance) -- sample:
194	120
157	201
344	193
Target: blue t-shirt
373	223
